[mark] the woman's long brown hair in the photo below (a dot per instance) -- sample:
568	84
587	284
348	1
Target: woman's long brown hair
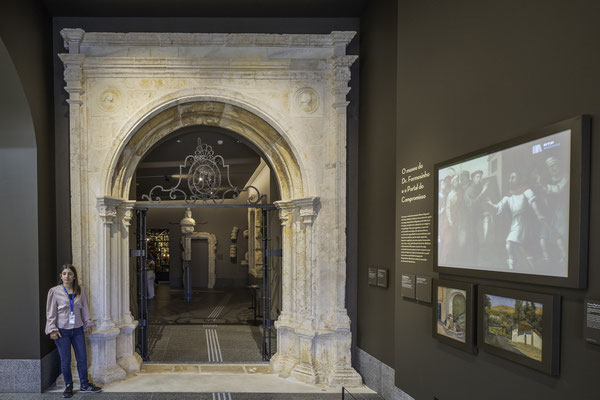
76	287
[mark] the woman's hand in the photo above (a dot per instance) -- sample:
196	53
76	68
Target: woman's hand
88	330
55	335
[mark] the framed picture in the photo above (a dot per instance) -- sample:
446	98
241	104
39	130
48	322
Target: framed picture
453	311
523	327
518	210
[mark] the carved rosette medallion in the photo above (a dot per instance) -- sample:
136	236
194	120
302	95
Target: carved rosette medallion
109	99
307	100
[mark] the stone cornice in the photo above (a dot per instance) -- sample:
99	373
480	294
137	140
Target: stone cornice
74	39
307	208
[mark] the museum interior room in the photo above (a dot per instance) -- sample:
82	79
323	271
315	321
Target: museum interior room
304	199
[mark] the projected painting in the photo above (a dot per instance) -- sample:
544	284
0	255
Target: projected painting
508	211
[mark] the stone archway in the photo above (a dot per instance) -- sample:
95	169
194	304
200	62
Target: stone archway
283	93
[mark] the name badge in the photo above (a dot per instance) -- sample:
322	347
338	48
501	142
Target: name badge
72	318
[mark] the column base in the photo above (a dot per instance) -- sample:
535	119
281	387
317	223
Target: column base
104	368
127	358
132	363
305	372
103	375
315	356
346	377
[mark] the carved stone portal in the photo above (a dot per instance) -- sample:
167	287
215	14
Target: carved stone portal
285	94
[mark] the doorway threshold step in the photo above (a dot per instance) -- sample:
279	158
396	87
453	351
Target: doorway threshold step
214	368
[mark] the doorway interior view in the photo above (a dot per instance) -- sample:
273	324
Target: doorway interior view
208	306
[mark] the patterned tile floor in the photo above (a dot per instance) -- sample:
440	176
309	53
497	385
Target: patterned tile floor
216	326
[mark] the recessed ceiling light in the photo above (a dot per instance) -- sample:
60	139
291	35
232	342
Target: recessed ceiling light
178	140
219	141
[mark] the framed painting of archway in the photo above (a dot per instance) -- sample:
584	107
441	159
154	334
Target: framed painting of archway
453	313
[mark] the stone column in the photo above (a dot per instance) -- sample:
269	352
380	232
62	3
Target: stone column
312	348
309	353
127	358
103	343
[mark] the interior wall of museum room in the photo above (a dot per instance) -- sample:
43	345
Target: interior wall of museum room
472	74
27	197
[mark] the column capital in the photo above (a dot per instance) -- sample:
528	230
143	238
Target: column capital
126	210
307	208
107	208
341	76
73	75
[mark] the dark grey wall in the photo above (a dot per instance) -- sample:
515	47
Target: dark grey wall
25	30
218	221
18	210
471	74
376	178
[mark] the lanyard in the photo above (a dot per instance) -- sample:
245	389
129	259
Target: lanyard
71	299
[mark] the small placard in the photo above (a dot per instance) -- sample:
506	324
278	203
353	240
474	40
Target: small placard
382	277
373	276
592	321
423	288
408	286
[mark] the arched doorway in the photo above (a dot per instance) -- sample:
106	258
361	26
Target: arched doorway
127	91
230	289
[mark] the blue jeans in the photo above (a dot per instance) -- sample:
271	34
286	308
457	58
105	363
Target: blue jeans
76	338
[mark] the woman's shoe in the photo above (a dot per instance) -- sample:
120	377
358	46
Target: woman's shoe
68	391
90	388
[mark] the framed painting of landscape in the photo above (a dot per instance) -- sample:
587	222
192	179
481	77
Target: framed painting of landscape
453	312
521	326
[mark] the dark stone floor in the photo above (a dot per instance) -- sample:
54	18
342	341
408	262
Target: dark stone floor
216	326
209	306
195	396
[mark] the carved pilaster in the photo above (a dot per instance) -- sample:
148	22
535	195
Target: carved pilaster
126	356
308	213
125	216
103	341
77	153
107	211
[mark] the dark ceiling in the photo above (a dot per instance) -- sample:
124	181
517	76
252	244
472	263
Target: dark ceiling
205	8
162	162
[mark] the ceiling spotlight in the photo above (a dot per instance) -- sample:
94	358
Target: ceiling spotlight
219	141
178	140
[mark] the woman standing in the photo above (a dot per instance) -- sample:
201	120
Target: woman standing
67	315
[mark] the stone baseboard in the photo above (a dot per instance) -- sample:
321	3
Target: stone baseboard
378	376
20	376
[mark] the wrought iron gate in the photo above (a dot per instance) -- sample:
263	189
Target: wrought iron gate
266	290
141	253
202	171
